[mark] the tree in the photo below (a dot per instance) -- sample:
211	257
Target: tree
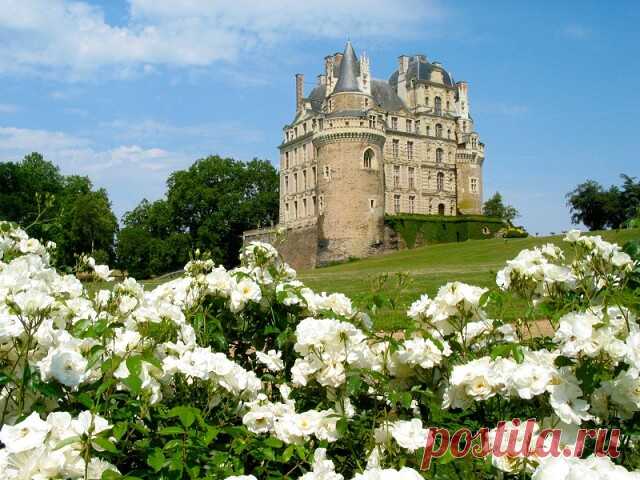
76	217
494	207
216	199
598	208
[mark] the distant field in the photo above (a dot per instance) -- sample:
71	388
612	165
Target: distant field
429	267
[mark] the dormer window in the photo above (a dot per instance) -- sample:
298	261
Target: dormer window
394	123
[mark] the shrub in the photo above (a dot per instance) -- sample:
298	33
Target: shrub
513	232
223	373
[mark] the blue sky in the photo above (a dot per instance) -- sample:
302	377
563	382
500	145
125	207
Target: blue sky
126	91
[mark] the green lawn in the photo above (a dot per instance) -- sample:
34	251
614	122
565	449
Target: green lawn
429	267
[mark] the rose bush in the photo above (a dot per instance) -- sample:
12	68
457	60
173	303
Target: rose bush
247	373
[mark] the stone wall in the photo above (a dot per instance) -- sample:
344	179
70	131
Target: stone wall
297	245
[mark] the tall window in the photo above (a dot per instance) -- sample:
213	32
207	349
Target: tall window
412	178
439	155
295	184
304	207
410	150
417	126
438	130
327	173
440	181
313	204
286	211
368	158
448	106
409	125
441	209
428	130
449	133
315	175
286	184
437	107
321	204
396	203
394	123
426	101
396	176
286	159
412	204
304	150
474	185
395	147
304	179
295	209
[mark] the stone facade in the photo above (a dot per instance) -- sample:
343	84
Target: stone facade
361	148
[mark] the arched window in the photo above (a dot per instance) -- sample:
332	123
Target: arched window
441	209
439	155
440	181
368	158
438	130
437	105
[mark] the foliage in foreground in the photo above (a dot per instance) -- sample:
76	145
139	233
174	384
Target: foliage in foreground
247	372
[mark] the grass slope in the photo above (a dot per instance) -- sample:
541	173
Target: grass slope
429	267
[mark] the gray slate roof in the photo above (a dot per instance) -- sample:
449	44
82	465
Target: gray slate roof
420	69
349	71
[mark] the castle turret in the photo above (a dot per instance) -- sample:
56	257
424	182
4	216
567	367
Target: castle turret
350	184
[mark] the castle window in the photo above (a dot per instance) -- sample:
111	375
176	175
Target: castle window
304	127
396	176
410	150
286	184
295	182
304	151
448	106
428	130
417	126
441	209
321	204
426	101
295	156
313	204
449	157
326	172
372	122
315	175
394	123
304	207
372	203
286	211
295	209
448	133
439	155
438	130
409	125
366	102
438	106
440	181
412	204
396	203
395	147
286	159
367	158
412	178
473	183
304	179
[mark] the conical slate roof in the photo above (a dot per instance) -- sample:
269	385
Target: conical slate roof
348	79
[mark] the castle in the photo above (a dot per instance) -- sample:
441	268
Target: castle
361	148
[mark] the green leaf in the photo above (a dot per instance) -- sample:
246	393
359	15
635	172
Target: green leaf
288	453
156	459
105	444
67	441
273	442
171	431
186	414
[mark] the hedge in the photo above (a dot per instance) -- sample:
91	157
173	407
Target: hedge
422	229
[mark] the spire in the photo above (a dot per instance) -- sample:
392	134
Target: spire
348	79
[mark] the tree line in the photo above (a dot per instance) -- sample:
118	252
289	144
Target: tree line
206	207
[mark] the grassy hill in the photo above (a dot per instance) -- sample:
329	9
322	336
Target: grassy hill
429	267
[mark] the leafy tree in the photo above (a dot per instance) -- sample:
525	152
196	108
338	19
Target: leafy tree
63	209
598	208
217	198
495	207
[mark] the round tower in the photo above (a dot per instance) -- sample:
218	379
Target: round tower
350	186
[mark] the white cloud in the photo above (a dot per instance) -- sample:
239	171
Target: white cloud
128	172
8	108
576	32
75	38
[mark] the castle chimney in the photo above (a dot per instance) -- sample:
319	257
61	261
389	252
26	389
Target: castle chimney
299	91
403	64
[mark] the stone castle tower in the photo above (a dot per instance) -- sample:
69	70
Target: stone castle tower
361	148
